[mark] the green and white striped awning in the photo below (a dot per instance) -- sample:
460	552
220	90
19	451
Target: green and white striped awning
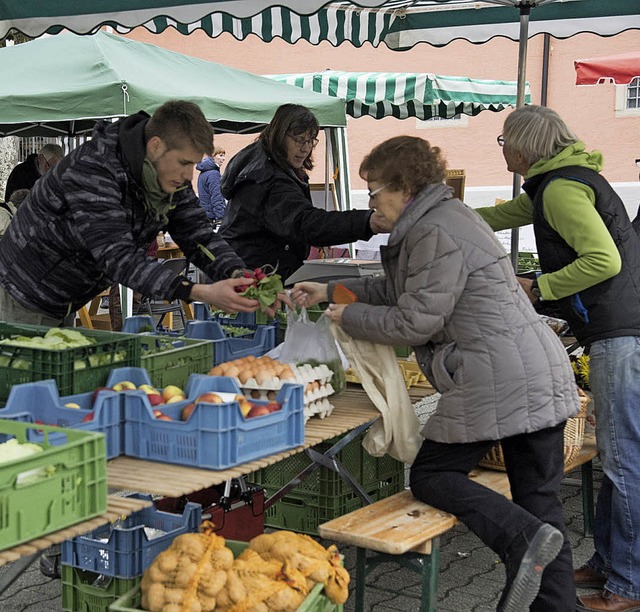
400	24
408	94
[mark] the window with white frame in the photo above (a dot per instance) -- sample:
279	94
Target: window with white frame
628	99
633	94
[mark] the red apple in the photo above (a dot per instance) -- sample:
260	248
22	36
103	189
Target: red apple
88	417
187	411
161	416
209	398
257	410
155	399
274	406
95	393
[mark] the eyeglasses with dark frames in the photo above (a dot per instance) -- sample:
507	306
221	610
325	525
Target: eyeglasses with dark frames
302	142
500	140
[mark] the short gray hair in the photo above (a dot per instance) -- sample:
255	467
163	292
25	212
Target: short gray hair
50	150
537	133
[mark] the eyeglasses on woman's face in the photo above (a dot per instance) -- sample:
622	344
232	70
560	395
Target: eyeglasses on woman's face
375	192
301	141
500	140
637	163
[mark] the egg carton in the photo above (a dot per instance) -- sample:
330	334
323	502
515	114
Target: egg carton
315	391
320	408
304	374
310	396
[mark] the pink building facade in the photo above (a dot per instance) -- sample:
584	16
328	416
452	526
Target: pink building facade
596	113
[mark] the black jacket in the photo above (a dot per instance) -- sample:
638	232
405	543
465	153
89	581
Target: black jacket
270	218
610	308
23	176
84	227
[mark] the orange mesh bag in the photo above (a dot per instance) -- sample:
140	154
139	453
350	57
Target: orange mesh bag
188	575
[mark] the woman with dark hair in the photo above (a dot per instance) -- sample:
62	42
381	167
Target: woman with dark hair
270	218
450	292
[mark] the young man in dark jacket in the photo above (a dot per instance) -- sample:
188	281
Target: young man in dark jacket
89	222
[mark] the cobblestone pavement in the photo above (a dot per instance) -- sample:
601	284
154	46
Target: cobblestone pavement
471	576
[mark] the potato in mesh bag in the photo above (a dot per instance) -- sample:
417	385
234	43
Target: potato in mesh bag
188	575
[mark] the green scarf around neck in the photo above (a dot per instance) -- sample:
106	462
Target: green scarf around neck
157	203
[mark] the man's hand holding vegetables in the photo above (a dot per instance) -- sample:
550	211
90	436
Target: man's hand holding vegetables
88	223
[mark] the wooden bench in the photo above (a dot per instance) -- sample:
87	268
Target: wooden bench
403	530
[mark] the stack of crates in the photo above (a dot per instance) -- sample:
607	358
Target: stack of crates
324	495
99	567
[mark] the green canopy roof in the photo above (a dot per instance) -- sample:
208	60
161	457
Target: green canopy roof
408	94
60	85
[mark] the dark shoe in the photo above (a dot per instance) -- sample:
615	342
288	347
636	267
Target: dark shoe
587	578
50	561
542	550
606	601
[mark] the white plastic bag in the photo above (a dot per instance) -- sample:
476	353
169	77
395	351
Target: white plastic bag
397	433
307	341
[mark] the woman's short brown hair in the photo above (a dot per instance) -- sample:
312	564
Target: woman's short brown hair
404	163
292	120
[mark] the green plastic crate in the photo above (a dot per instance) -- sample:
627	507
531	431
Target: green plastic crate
173	366
316	600
303	512
84	591
370	472
75	370
74	488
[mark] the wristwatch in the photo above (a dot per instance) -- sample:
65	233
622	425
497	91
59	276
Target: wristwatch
535	289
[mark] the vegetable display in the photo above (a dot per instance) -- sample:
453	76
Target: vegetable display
275	573
13	449
262	286
57	339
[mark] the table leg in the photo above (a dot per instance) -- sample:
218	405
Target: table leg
430	575
587	497
361	570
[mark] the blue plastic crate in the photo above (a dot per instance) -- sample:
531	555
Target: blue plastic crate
128	551
227	348
39	402
202	312
216	436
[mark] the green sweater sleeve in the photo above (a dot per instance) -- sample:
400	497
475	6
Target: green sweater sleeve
514	213
569	207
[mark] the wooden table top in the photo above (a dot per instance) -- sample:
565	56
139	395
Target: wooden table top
117	507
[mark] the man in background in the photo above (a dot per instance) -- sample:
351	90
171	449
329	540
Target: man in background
25	175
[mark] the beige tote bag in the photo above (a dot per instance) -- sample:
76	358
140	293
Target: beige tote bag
397	433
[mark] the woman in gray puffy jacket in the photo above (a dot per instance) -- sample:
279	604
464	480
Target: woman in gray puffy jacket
450	292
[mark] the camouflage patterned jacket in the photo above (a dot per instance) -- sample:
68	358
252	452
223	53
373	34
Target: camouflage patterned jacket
84	227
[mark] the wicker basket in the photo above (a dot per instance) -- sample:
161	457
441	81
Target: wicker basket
573	439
